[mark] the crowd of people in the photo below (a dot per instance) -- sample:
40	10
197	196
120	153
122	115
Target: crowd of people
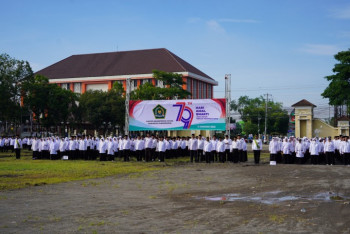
318	150
199	149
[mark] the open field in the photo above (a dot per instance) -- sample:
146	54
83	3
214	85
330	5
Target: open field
185	198
26	172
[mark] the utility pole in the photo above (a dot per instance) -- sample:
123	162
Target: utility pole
267	100
127	99
228	101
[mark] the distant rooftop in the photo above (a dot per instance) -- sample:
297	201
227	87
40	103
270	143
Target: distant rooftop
119	63
303	102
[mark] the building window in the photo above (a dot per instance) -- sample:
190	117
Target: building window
65	86
189	85
209	90
205	86
141	82
77	87
194	89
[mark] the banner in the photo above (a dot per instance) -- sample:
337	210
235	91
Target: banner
188	114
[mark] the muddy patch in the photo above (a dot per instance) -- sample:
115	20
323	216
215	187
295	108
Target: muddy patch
275	197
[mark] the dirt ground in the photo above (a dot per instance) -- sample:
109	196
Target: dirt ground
190	198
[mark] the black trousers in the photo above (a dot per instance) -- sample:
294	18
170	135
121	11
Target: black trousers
110	157
287	158
299	160
18	153
148	154
207	157
193	155
126	155
273	157
245	155
103	157
279	157
139	155
227	155
346	159
241	155
161	156
213	156
314	159
330	158
256	156
200	155
222	156
235	155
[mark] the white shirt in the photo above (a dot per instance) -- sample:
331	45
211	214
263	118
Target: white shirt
139	144
161	146
102	147
207	146
220	147
110	147
228	143
300	150
256	144
192	144
314	148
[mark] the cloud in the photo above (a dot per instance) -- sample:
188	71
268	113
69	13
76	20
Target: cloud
341	13
250	21
320	49
215	26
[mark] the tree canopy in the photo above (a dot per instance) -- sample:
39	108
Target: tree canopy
50	103
104	109
338	90
13	73
252	111
172	88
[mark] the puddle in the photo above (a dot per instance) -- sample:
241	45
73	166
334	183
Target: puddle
275	197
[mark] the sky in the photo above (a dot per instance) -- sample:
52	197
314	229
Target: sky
281	47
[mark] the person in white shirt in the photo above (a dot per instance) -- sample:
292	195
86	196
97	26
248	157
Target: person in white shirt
234	150
192	147
228	142
244	150
54	147
207	150
300	150
110	150
17	145
126	148
200	155
115	148
346	151
329	151
286	151
256	147
148	148
103	146
72	149
313	149
2	143
175	147
139	147
161	148
273	148
220	149
183	147
214	155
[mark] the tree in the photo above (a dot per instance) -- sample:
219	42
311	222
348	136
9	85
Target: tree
252	111
172	88
338	90
104	109
13	73
50	103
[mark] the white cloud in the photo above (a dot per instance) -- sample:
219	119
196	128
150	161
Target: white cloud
341	13
320	49
251	21
215	26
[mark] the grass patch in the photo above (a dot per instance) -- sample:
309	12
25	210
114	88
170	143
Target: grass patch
15	174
